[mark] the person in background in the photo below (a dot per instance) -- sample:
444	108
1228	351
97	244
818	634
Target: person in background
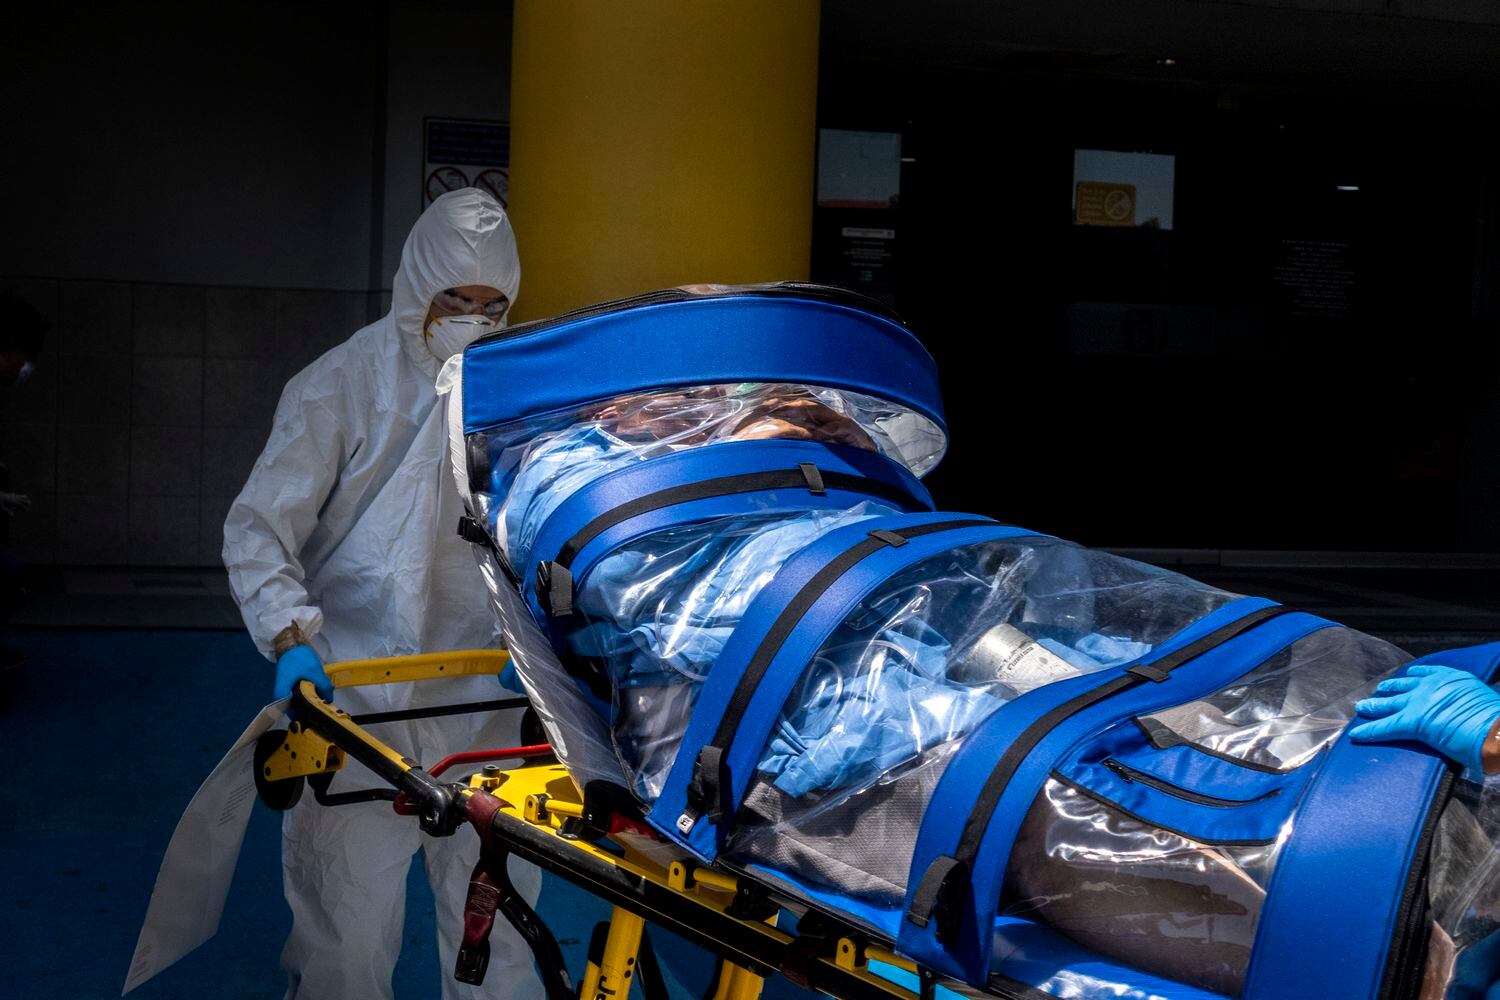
342	546
23	330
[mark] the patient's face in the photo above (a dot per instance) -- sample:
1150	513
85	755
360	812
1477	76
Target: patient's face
801	418
720	413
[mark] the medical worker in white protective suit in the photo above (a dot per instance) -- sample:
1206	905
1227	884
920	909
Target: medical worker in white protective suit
342	546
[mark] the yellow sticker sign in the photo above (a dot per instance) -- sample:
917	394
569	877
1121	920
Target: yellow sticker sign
1101	204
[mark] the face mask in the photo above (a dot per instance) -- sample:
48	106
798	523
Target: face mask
25	372
449	335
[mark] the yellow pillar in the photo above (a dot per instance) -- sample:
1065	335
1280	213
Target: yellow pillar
658	143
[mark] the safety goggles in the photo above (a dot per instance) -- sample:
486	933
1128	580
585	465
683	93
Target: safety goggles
452	302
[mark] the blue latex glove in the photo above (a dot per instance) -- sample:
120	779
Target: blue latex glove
1450	710
300	663
510	680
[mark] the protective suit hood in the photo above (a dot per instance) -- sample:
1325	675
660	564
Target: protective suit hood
464	238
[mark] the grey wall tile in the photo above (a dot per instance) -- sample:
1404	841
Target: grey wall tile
163	531
240	322
134	460
30	450
240	393
168	319
92	530
228	455
166	461
95	389
211	514
32	533
167	391
95	317
93	459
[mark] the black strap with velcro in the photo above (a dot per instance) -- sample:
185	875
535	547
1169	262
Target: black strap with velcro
805	476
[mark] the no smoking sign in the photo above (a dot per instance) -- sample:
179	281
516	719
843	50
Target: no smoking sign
465	152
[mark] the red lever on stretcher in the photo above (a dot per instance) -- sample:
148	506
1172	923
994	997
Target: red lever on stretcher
403	805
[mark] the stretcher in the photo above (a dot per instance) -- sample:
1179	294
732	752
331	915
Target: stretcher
815	724
596	840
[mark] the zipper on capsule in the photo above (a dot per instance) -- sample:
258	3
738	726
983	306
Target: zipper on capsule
1127	773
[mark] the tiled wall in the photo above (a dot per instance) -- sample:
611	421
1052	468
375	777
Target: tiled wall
148	407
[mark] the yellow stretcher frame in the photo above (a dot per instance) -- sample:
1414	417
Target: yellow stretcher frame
543	818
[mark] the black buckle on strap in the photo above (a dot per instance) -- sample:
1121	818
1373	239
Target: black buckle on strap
939	895
814	478
1149	672
709	789
472	531
554	586
890	538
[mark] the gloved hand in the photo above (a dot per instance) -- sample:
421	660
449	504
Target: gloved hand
14	503
1450	710
300	663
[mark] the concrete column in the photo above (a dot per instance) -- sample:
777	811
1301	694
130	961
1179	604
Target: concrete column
658	143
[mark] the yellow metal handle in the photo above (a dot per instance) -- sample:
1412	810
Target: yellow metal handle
420	667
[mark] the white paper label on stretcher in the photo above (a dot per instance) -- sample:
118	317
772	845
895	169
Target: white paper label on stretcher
199	864
1019	662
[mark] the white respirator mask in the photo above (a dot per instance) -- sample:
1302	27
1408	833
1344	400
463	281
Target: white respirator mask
449	335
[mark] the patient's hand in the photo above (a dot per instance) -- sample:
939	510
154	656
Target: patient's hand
801	420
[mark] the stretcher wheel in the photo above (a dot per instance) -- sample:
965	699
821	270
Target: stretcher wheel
532	732
278	796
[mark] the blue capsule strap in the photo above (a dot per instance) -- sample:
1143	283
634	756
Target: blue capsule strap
949	920
1347	888
734	477
775	640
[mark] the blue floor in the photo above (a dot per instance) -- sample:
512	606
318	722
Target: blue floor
107	734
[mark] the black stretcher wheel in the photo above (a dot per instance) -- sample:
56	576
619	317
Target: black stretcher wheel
278	796
532	731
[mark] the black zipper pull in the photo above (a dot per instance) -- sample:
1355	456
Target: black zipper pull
1119	769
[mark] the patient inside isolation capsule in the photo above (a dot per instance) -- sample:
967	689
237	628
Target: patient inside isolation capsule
923	659
656	612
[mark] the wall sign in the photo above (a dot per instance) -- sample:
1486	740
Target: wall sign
1104	204
465	152
1116	188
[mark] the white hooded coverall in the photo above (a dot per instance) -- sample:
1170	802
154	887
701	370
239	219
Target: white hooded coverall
347	526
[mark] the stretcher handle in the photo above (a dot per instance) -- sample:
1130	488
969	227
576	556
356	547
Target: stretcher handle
439	808
417	667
